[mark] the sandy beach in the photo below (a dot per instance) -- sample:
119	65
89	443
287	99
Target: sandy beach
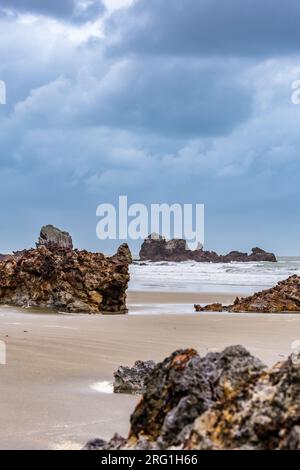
49	387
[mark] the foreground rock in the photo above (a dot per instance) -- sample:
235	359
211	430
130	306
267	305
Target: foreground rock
52	236
132	379
157	248
65	279
284	297
226	400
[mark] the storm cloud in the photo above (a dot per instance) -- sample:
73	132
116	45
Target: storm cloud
178	101
224	28
77	11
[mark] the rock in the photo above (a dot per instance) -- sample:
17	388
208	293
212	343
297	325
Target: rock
132	379
284	297
266	418
64	279
156	248
223	401
182	388
116	443
258	254
95	444
209	308
51	235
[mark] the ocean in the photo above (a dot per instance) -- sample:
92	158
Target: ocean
210	277
165	288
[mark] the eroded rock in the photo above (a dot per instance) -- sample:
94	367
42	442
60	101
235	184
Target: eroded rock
65	279
157	248
132	379
284	297
53	236
267	418
185	387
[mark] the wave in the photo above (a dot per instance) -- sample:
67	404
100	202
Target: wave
194	277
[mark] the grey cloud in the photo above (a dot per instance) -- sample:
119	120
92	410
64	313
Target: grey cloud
192	27
84	128
69	10
178	99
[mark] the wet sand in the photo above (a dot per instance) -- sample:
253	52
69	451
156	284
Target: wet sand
156	297
53	361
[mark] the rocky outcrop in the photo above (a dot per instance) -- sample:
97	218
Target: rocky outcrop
226	400
64	279
52	236
157	248
267	417
284	297
132	379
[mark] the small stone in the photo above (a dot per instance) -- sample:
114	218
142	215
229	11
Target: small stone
132	379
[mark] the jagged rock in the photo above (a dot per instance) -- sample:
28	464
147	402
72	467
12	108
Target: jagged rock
284	297
267	418
209	308
157	248
51	235
182	388
132	379
117	442
66	279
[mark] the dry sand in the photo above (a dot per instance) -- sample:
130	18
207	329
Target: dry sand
53	361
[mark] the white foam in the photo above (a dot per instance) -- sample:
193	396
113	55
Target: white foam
67	445
204	277
103	387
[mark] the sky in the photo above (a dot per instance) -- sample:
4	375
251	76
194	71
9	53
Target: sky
173	101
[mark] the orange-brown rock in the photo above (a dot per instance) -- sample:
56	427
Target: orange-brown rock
209	308
284	297
66	279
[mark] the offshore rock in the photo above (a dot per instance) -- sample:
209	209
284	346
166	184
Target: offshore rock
157	248
132	379
284	297
64	279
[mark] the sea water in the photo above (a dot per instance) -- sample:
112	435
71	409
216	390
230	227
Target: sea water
191	276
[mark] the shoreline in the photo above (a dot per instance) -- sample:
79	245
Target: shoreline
49	398
169	297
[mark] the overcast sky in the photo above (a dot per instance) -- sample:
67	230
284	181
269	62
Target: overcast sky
162	100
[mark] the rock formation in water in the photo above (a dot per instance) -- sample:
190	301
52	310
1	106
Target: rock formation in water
284	297
56	276
222	401
132	379
51	235
157	248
